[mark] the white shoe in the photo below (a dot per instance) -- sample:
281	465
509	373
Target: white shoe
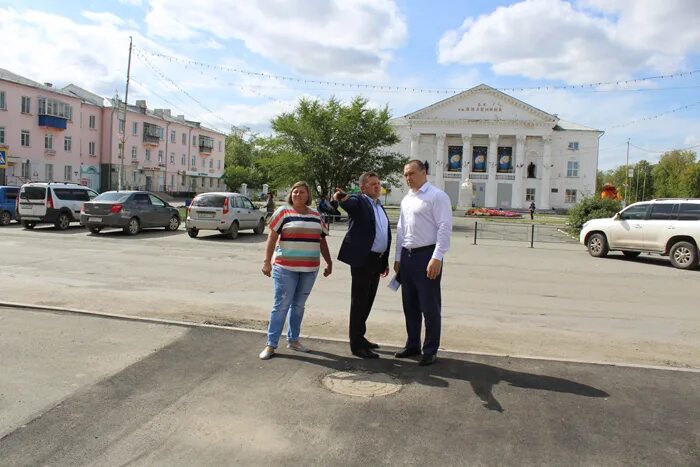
298	346
267	353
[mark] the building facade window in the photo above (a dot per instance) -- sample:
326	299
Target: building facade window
204	161
160	156
2	135
26	169
48	141
219	146
48	172
194	140
211	163
68	173
3	102
172	181
172	157
134	153
218	164
24	138
67	143
572	169
211	182
173	135
122	126
184	138
194	162
529	194
92	123
570	196
148	154
184	159
91	148
55	108
26	104
573	145
134	128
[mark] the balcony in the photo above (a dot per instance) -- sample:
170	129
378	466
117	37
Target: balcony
51	121
151	134
54	114
206	145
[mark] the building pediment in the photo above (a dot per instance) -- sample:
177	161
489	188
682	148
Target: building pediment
482	103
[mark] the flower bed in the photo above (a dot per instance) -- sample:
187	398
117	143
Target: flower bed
483	212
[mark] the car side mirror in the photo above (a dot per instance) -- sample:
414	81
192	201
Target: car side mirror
618	216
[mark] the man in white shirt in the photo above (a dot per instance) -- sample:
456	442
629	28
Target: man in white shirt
422	239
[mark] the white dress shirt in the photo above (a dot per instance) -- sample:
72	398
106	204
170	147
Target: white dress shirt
426	219
381	236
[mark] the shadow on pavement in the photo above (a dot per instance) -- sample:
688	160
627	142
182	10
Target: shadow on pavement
243	237
481	377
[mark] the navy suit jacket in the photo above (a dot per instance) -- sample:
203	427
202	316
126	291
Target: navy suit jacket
357	243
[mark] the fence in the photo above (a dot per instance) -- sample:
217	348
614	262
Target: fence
520	232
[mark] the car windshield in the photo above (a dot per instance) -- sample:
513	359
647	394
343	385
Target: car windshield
33	192
209	201
113	196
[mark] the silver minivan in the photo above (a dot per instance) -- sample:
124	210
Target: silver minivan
226	212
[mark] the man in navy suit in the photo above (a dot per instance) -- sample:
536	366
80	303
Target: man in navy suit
366	249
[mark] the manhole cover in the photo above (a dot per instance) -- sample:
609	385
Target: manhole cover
361	384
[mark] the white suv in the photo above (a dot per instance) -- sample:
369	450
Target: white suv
665	226
226	212
52	202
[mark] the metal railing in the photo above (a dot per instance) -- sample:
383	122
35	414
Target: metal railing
526	233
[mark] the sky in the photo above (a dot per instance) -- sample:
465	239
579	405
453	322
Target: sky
243	62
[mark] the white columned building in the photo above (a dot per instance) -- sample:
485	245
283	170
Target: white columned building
488	149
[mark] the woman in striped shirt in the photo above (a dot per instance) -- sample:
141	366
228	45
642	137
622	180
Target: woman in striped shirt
301	233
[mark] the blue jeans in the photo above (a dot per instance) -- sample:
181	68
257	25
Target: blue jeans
291	291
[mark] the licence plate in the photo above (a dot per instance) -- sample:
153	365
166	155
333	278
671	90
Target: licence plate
205	215
94	219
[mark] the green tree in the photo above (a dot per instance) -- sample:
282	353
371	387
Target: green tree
691	181
330	144
242	162
672	173
592	208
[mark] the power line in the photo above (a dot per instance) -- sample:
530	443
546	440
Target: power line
381	87
652	117
652	151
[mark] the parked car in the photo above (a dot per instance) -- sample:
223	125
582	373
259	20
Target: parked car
130	211
669	227
54	203
226	212
8	204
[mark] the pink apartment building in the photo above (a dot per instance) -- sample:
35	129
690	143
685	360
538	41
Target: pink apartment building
73	135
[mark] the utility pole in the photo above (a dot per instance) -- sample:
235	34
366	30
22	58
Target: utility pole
126	100
627	170
644	186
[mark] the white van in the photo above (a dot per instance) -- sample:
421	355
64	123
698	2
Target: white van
52	203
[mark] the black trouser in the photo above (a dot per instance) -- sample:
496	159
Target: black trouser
365	280
421	299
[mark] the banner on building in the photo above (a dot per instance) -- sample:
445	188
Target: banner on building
479	158
454	158
505	159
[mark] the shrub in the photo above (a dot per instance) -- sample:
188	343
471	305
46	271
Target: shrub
592	208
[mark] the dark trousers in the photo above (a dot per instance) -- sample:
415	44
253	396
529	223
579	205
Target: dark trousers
365	280
421	300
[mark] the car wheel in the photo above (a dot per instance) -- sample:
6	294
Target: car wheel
193	233
63	221
174	224
598	245
5	218
232	232
28	225
260	228
95	230
631	254
684	255
133	227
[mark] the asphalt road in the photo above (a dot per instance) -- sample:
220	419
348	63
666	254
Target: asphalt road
81	390
501	297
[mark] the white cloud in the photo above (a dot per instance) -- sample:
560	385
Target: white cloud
338	37
131	2
597	41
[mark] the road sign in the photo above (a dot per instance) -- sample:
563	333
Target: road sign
4	155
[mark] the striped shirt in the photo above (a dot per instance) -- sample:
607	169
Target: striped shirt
299	247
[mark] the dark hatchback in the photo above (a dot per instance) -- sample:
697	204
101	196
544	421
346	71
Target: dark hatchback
130	211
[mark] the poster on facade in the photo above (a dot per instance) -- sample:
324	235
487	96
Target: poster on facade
505	159
479	159
454	158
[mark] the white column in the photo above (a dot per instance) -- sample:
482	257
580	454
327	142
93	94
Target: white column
518	194
491	183
545	186
415	140
465	190
440	161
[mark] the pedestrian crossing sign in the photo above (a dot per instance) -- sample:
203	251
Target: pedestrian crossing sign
3	157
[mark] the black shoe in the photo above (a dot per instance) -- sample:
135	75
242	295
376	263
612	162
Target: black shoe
371	345
365	353
406	352
426	360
